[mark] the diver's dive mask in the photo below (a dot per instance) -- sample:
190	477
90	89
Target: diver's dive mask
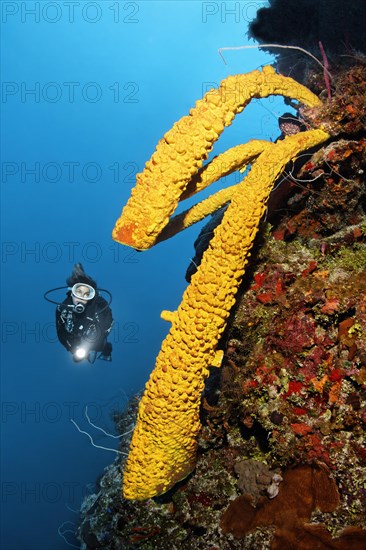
84	292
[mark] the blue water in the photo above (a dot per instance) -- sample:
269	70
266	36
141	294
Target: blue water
88	90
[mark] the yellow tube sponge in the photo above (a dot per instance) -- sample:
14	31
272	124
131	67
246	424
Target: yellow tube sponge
196	213
164	443
181	152
236	158
231	160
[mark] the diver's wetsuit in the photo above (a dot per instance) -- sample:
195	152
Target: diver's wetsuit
89	328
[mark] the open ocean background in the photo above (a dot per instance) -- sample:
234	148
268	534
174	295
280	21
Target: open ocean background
88	89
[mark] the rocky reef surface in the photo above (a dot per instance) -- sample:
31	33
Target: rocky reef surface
282	452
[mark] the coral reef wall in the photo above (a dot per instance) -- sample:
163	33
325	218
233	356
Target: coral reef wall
282	453
338	24
281	457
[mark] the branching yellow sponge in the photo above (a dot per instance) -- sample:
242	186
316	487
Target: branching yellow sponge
164	443
181	152
236	158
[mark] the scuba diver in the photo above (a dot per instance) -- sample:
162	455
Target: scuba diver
84	319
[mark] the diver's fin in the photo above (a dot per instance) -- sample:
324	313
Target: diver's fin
104	357
92	357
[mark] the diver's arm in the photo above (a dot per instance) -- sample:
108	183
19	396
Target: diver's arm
63	335
105	316
59	326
